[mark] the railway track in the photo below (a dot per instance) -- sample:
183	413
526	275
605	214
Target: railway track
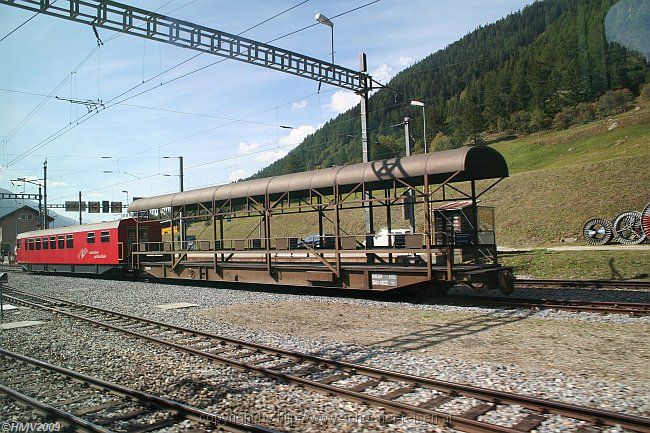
360	383
630	308
93	405
621	284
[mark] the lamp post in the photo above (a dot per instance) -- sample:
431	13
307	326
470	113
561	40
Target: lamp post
424	119
326	21
181	224
127	196
180	170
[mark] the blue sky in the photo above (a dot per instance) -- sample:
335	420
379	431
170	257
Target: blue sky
189	116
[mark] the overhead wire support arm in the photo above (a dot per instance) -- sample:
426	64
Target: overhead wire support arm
123	18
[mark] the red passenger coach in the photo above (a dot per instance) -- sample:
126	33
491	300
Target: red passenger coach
101	248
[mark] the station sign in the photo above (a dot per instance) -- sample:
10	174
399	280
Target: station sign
94	207
73	206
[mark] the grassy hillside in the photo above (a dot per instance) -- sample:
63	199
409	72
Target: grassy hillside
581	144
596	265
517	74
559	179
539	207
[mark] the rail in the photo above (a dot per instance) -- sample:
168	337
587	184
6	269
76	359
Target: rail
630	308
626	284
344	379
93	395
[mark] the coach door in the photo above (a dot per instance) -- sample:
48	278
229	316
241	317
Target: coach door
130	241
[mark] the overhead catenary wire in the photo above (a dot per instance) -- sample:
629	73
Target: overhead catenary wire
71	75
81	120
22	24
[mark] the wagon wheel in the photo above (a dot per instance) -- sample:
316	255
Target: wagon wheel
645	221
597	231
627	228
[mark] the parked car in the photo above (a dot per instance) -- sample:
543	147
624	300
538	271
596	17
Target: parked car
315	241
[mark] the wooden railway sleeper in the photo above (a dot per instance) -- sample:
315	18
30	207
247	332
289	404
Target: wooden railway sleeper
576	412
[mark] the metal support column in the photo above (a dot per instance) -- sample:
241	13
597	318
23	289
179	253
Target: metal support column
319	202
363	67
267	233
40	206
410	198
46	223
475	239
427	224
80	221
181	226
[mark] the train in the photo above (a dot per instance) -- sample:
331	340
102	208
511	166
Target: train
99	248
315	228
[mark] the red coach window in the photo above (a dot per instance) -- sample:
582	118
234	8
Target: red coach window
45	243
90	237
68	241
38	243
52	242
106	236
61	242
30	244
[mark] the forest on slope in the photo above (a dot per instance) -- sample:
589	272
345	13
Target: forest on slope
548	65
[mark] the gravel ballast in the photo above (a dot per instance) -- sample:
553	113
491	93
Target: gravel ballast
187	378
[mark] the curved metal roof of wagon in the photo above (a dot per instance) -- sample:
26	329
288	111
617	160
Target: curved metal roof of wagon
105	225
472	163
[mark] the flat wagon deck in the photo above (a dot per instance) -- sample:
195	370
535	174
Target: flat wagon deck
452	241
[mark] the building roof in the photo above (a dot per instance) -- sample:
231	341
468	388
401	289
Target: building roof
106	225
6	211
471	163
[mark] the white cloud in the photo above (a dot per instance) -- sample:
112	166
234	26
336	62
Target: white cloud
342	101
237	175
385	72
297	135
405	61
300	105
247	148
270	156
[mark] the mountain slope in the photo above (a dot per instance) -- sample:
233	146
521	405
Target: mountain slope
510	76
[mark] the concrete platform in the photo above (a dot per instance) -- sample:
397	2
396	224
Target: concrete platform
24	324
176	306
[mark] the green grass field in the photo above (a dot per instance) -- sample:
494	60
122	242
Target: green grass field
559	180
594	265
581	144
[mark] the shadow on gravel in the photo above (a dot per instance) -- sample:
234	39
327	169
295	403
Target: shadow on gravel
425	338
429	337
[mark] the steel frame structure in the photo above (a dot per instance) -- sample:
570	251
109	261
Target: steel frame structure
343	260
123	18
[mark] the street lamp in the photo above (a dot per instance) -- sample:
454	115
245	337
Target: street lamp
326	21
127	196
180	170
181	223
424	119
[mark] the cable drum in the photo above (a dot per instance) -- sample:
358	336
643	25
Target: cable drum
645	221
597	231
627	228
